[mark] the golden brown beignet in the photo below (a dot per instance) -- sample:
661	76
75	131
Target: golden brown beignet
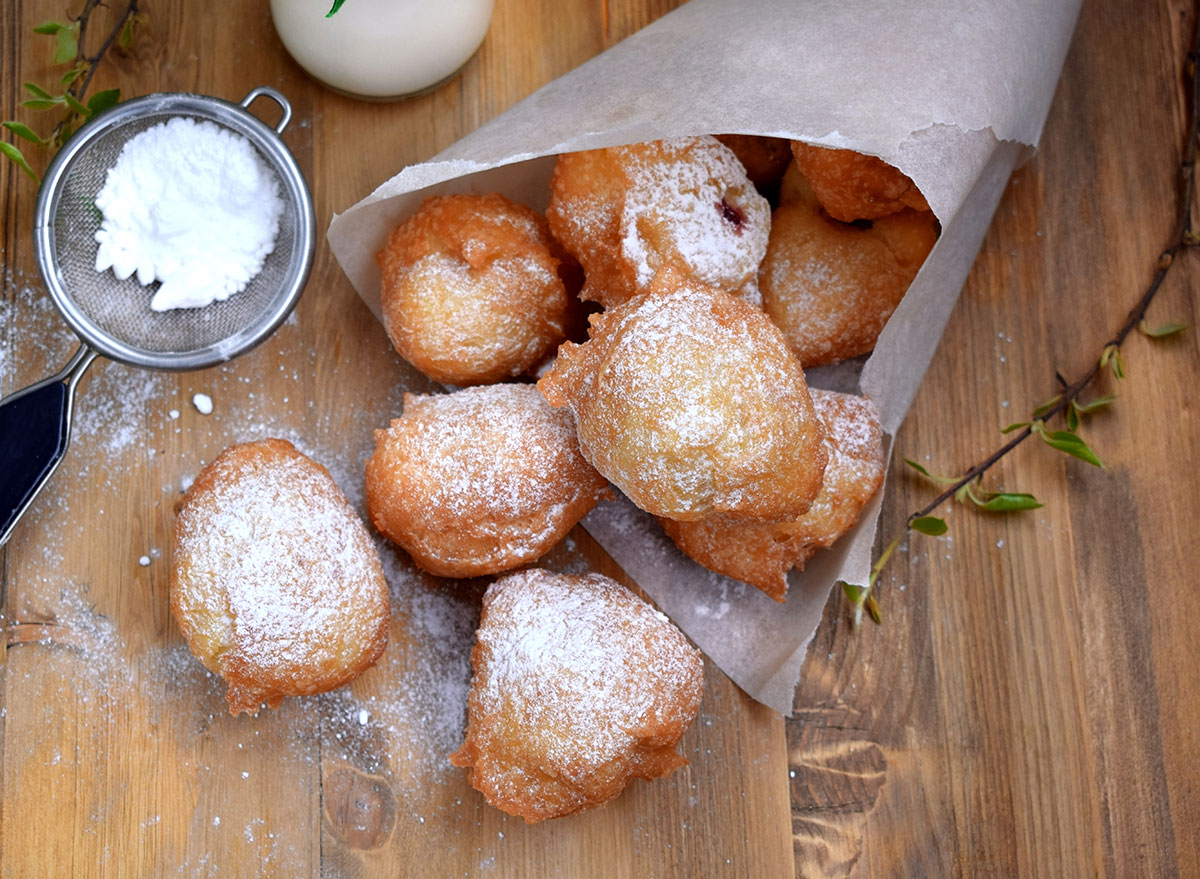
578	687
761	553
854	186
627	212
479	481
764	158
470	289
275	582
689	400
830	286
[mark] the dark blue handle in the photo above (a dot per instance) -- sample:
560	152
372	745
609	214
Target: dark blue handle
35	427
33	438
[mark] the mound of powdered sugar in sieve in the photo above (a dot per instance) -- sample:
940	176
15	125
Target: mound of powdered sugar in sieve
190	204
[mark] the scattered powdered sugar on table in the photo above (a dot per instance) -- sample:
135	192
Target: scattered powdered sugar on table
190	204
415	698
34	339
111	416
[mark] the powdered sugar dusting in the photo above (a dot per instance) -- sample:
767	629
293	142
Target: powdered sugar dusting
480	480
690	402
583	668
271	545
416	695
690	200
854	443
477	435
191	204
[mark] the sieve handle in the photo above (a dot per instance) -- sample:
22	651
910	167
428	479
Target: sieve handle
267	92
35	427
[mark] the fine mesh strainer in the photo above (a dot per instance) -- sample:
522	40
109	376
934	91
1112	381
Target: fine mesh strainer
113	317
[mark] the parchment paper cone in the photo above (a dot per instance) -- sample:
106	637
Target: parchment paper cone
954	93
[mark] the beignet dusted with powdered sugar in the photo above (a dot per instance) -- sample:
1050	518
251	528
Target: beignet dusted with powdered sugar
762	552
479	481
689	400
832	286
275	582
471	292
578	687
627	212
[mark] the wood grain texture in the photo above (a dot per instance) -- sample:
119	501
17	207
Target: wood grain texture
120	758
1026	708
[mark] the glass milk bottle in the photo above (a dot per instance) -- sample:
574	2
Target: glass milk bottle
380	49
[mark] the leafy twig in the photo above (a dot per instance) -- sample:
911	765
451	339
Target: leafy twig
70	42
1068	401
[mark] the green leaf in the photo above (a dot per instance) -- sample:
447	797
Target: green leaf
17	156
74	104
66	45
1071	443
1008	502
23	131
854	593
1093	405
931	525
73	74
1112	358
337	4
962	492
1072	417
943	480
1015	426
36	90
1047	406
42	103
873	612
101	101
1167	329
913	464
49	27
125	40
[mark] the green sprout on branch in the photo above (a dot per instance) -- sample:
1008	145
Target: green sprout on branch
1068	404
67	96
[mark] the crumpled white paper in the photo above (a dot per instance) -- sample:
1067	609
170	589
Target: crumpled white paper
953	93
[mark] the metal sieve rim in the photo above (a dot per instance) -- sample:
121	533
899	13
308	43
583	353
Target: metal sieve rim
234	117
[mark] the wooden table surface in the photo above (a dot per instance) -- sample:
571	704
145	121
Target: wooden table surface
1026	708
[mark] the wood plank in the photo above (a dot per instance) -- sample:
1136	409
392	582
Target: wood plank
1026	707
119	756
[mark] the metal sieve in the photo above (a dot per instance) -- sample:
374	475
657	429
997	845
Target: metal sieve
113	317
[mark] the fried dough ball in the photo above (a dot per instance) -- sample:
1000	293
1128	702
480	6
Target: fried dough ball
471	292
795	188
761	553
578	687
626	212
764	158
830	286
853	186
275	582
689	400
479	481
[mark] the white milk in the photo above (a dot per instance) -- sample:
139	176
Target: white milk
382	48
